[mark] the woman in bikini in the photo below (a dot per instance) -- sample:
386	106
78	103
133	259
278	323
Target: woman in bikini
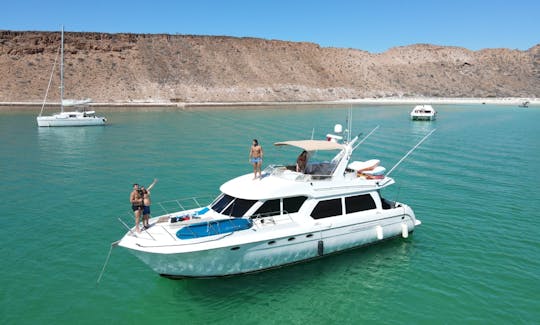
146	204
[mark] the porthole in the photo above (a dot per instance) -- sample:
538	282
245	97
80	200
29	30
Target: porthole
235	248
291	239
309	235
272	242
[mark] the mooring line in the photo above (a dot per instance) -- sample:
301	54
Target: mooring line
106	261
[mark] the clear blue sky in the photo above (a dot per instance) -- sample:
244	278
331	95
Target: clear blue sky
374	26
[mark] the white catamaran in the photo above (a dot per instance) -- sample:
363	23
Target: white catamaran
78	117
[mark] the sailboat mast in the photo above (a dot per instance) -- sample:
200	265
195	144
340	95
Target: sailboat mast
62	73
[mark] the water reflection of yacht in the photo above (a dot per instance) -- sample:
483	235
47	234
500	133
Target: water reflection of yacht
58	144
282	218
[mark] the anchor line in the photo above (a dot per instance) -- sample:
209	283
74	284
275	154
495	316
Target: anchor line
106	261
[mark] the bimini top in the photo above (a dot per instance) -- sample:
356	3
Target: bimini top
312	145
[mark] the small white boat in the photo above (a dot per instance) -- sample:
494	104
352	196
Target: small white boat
423	113
284	217
524	104
79	117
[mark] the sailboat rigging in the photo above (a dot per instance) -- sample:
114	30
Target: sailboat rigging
69	118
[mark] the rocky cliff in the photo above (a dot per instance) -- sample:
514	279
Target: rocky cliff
186	68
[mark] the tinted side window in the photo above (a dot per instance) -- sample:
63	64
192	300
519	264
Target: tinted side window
293	204
269	208
359	203
328	208
238	208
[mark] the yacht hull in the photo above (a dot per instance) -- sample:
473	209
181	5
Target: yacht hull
423	118
236	259
50	121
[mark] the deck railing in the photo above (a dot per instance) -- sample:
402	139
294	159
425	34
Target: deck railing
171	206
190	203
311	174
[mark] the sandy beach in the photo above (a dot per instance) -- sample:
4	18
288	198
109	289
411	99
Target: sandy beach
358	101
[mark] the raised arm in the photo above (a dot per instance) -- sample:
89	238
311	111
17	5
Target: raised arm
152	185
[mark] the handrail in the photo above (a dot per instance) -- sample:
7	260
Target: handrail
125	225
132	233
191	243
271	216
193	201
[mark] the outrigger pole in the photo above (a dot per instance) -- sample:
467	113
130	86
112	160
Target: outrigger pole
364	139
410	151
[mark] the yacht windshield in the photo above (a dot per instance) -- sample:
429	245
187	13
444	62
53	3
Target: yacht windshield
323	162
231	206
221	203
238	207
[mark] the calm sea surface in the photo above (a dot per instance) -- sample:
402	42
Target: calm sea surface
474	185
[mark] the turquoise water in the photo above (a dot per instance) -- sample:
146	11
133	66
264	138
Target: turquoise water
473	184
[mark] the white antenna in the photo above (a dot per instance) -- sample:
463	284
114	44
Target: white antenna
348	121
349	127
62	74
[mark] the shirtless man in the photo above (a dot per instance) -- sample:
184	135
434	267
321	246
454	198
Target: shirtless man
256	157
136	204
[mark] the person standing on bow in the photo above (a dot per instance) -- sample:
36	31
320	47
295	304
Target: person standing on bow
146	204
256	157
136	199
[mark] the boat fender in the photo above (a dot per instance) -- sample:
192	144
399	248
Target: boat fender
404	230
203	211
379	231
320	248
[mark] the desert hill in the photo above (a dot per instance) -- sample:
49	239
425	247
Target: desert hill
187	68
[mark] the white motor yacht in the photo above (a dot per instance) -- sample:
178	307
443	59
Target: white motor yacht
284	217
423	113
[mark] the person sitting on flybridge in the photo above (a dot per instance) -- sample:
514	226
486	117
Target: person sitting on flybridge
301	162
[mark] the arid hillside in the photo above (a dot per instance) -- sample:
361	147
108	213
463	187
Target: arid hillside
185	68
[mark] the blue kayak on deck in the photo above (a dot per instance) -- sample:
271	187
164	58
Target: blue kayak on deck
214	227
